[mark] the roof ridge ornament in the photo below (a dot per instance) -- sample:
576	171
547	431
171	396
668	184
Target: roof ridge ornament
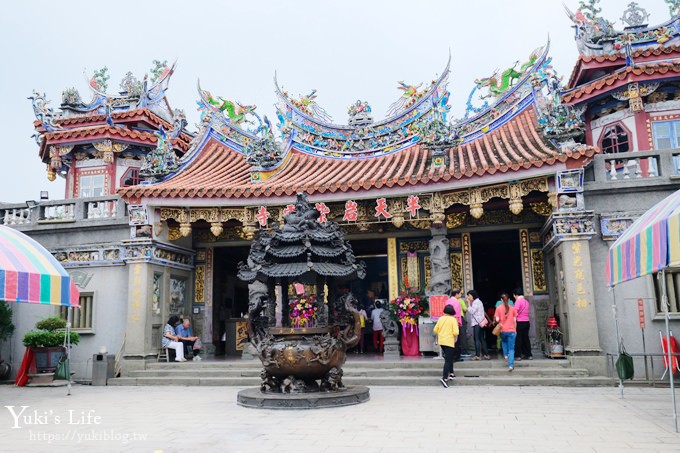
634	16
43	113
161	161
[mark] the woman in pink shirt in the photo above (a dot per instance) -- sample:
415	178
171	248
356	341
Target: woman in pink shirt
506	316
523	309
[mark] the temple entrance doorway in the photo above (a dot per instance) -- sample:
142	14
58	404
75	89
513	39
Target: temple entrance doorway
496	267
230	298
374	253
375	286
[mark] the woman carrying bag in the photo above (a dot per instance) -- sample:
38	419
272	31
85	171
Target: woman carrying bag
506	317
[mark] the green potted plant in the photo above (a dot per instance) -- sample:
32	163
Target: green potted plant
47	343
6	331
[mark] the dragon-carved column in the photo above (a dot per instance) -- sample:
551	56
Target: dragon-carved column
440	280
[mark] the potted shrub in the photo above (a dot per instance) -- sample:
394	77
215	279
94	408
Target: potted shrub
6	331
47	343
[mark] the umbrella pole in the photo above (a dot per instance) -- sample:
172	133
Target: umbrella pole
68	351
664	301
618	336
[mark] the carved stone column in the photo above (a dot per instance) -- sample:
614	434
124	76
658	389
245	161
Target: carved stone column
568	236
440	280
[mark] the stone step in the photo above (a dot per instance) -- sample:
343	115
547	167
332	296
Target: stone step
514	380
189	371
378	363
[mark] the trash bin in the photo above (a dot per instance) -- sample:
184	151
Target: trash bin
102	368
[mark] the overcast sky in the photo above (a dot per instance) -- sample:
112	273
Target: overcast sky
347	50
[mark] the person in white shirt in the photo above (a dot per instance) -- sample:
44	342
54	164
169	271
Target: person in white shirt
378	339
478	321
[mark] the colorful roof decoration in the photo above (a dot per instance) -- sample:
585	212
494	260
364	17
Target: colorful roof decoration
309	129
220	171
112	123
596	36
30	274
650	244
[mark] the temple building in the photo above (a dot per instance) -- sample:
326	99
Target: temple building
528	190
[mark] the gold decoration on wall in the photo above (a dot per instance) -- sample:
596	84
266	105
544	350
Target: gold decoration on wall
455	220
185	229
421	224
487	193
51	174
428	270
232	214
516	206
414	246
216	228
208	214
173	233
178	214
199	287
456	263
392	277
538	270
541	208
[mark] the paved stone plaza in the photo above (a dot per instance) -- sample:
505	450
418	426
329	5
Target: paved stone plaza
396	419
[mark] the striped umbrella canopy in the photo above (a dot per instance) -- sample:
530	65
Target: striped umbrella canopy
30	274
650	244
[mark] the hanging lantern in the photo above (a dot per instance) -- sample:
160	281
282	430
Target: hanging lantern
51	174
55	161
185	229
438	218
249	231
476	210
216	228
108	156
516	206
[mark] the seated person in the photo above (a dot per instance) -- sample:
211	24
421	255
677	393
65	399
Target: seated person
170	340
191	343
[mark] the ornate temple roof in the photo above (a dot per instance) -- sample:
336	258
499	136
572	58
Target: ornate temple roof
137	115
237	155
596	36
220	171
608	56
638	73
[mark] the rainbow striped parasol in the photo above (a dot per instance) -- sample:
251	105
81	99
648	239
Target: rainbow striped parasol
30	274
650	244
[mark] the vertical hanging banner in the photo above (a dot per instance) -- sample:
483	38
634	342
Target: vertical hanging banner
467	262
526	262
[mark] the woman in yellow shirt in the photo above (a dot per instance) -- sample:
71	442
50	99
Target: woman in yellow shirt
446	330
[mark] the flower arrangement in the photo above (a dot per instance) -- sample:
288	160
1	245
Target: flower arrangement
407	307
303	311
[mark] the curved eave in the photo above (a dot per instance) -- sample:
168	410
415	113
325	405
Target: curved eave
220	172
638	73
586	63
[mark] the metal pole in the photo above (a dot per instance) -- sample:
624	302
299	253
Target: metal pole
618	337
68	351
644	351
664	301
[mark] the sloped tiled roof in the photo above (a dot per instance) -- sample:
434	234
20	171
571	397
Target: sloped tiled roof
221	172
622	77
646	53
